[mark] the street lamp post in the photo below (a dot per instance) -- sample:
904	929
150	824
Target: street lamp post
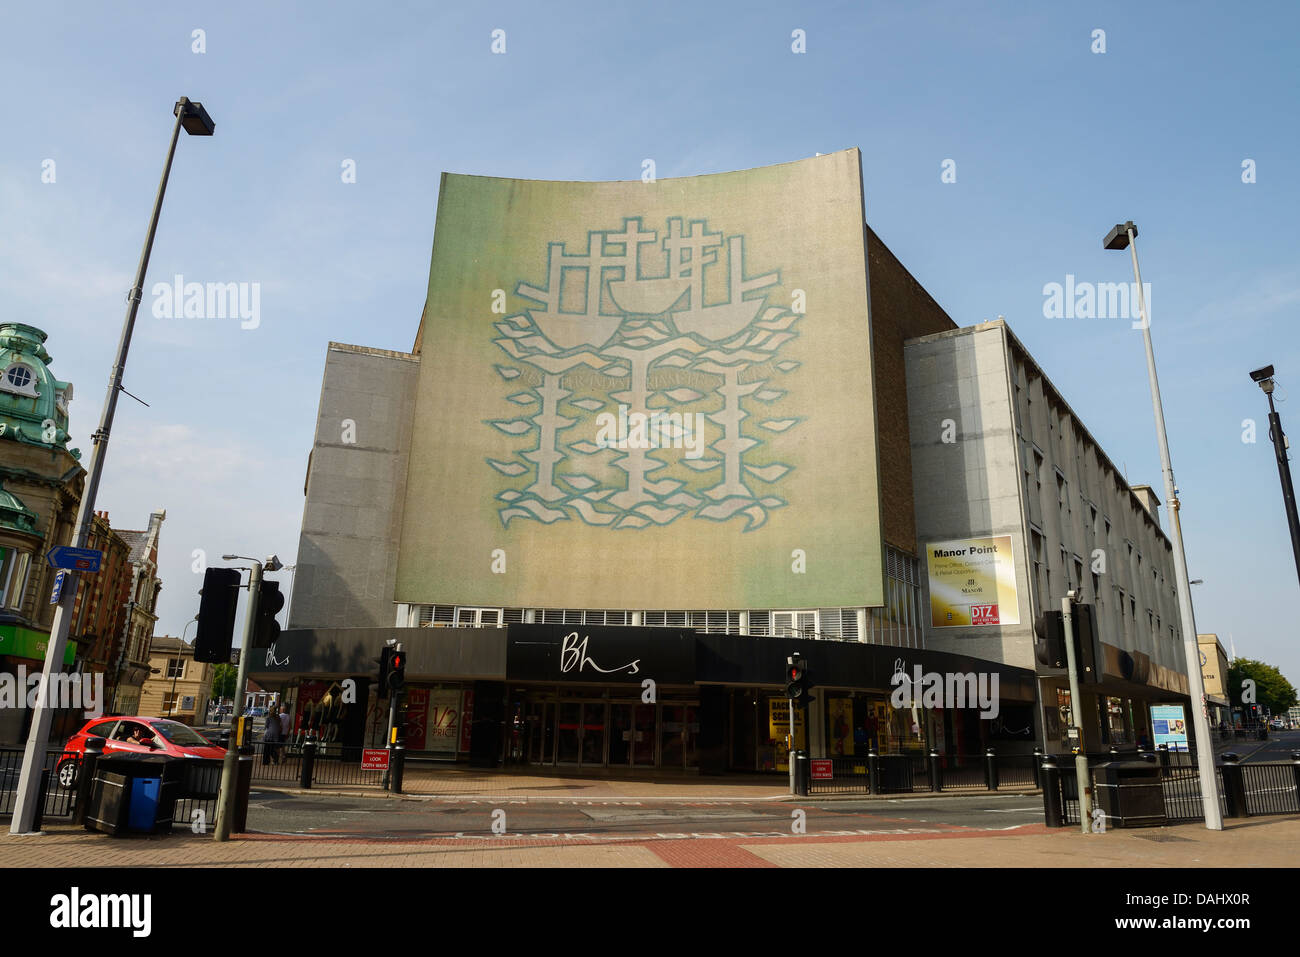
1122	236
195	120
176	672
1264	377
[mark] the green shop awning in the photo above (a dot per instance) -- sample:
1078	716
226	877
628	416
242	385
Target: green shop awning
23	642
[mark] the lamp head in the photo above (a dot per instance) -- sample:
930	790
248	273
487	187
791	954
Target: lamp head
194	117
1118	237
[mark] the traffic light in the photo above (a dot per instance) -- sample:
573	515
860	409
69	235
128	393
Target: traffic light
1050	648
396	669
1086	644
385	654
796	675
216	629
266	629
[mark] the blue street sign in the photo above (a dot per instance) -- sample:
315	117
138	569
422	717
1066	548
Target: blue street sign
74	559
58	587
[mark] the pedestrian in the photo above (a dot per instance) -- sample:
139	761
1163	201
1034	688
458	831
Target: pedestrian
271	738
286	723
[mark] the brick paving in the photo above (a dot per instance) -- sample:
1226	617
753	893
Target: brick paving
1258	842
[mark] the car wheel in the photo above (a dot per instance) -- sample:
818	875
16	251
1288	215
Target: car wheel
67	773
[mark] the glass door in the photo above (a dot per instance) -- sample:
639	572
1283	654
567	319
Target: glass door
541	732
569	732
643	735
593	732
621	733
671	752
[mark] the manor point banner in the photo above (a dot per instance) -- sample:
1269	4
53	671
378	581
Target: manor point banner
647	395
973	582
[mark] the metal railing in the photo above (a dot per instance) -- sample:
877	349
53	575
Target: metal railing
60	793
291	764
919	772
1244	790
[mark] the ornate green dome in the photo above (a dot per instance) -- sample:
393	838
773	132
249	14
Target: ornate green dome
33	403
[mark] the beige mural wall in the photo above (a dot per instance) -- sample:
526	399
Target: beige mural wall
647	395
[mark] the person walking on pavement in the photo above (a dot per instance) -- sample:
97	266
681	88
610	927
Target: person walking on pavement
286	723
271	738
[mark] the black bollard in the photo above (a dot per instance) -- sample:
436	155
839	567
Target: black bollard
1295	769
873	770
1234	786
936	771
308	761
1051	778
990	769
399	766
1038	767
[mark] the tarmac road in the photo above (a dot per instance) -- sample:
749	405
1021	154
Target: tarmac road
323	816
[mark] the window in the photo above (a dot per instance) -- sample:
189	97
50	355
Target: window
795	624
175	667
20	379
478	617
13	576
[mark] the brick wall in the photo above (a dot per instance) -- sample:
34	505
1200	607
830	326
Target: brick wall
900	309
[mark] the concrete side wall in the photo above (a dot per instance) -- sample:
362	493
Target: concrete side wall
356	484
958	388
900	309
1023	464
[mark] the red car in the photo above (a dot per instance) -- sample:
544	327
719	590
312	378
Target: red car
139	735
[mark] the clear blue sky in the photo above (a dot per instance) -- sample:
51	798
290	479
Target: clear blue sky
1053	144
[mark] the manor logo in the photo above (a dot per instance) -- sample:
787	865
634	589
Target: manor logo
651	341
21	690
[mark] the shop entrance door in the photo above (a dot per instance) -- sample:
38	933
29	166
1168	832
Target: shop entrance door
632	735
580	733
679	730
541	732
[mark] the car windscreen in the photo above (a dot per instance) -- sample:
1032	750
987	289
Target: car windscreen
180	734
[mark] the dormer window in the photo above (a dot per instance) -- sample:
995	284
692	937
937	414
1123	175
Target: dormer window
20	379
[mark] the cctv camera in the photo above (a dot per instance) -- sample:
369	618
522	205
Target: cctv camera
1072	594
1260	375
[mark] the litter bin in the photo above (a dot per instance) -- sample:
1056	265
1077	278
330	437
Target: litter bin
135	792
1131	794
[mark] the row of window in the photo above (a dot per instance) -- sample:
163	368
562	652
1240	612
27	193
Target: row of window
897	622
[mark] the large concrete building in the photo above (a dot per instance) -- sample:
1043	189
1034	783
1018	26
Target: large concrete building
693	407
999	459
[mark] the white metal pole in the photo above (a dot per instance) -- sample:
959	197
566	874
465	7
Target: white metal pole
1076	715
1187	620
29	780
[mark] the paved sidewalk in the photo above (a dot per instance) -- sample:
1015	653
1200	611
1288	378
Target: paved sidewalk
1257	842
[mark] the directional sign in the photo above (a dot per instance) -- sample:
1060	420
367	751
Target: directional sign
75	559
59	588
